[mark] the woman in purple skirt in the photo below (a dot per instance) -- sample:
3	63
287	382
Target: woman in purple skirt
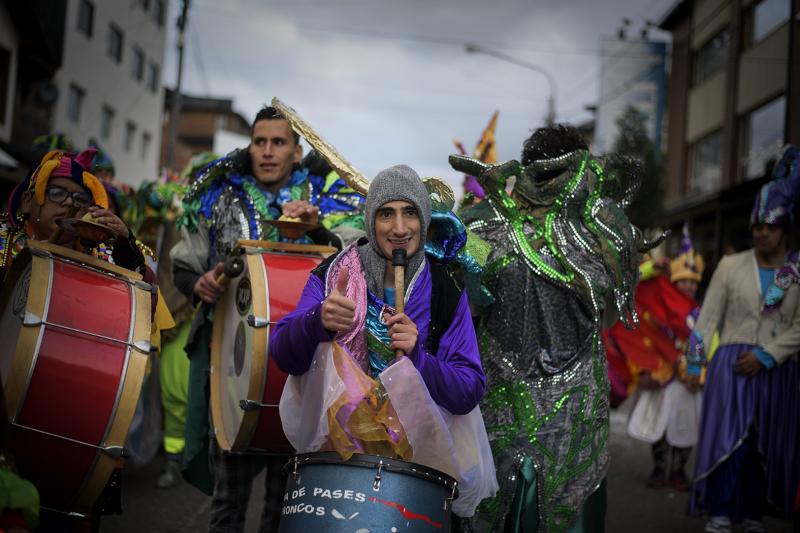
748	454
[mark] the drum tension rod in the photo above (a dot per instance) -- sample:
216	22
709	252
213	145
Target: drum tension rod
449	501
72	514
376	483
295	473
115	452
257	321
29	319
252	405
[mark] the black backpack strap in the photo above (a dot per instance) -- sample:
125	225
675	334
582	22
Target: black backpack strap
445	295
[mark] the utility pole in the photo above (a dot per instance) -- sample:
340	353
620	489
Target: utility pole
175	107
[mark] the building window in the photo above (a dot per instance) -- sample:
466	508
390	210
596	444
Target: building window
115	42
767	16
159	10
764	130
75	102
712	56
145	145
152	77
707	164
86	17
137	67
106	122
130	133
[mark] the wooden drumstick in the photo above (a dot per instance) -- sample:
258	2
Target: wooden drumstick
399	262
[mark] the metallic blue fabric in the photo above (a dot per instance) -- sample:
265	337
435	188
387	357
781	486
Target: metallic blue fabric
447	236
377	332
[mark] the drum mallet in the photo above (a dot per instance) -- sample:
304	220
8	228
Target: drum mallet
233	267
399	262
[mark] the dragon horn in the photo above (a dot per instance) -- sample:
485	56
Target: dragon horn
648	245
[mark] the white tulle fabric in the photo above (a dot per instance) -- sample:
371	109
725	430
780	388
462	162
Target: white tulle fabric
454	444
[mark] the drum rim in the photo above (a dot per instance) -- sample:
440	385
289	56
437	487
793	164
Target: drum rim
258	378
364	460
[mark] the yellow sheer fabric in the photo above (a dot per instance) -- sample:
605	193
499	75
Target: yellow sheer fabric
362	419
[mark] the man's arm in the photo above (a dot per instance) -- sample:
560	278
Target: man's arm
189	258
454	376
295	338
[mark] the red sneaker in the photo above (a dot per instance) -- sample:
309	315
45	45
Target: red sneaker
678	481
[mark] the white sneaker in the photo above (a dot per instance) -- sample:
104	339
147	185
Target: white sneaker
752	526
718	524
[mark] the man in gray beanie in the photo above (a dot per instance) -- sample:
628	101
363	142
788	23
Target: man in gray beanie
350	299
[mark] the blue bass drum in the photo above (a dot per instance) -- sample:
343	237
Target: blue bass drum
367	494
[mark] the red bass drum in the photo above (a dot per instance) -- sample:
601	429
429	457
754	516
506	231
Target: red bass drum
76	337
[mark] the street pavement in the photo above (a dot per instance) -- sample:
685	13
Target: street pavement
631	506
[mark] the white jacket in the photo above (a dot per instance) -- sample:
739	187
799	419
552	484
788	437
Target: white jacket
733	305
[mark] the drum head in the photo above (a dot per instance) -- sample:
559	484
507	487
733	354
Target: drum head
238	354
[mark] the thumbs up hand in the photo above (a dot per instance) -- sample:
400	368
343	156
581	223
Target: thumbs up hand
338	310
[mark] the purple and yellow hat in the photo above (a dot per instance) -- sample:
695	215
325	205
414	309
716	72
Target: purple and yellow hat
775	202
58	164
689	264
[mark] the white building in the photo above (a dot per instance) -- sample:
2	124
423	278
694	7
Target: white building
109	84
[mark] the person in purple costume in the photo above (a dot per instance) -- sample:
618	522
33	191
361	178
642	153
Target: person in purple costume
748	454
348	297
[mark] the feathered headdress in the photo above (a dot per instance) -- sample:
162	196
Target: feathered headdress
775	202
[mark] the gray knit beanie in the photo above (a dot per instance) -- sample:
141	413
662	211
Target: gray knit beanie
399	182
395	183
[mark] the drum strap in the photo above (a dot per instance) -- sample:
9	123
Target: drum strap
445	295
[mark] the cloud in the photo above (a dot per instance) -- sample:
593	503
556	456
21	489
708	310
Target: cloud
388	82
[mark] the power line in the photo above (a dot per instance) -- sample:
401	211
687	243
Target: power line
198	59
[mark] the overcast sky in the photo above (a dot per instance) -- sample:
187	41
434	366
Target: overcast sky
388	81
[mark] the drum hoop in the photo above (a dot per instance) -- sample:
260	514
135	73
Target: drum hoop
266	246
259	368
29	342
85	260
41	257
373	461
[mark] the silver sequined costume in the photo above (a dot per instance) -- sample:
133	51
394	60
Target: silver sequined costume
553	270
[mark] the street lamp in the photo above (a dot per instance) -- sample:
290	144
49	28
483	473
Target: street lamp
551	100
